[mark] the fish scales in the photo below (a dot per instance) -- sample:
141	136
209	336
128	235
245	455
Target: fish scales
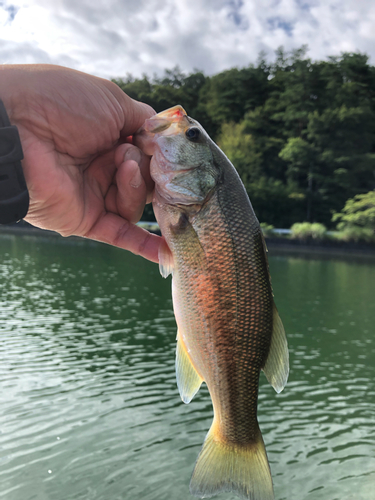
237	299
228	325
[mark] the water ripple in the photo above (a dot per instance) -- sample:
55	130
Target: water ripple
90	407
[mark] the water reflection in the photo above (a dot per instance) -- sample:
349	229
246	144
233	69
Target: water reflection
330	394
90	408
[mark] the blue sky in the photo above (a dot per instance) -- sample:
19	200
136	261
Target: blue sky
111	38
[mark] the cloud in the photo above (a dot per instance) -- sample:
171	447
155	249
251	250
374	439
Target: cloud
111	38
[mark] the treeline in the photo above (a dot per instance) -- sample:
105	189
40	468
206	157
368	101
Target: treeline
300	133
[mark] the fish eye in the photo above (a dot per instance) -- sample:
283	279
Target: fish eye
193	133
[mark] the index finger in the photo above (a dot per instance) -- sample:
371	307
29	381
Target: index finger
115	230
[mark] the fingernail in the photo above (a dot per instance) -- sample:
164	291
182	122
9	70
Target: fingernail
137	179
133	154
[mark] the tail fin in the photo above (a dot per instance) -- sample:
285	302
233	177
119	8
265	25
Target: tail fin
222	466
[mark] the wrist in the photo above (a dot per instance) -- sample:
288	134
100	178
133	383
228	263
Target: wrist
14	196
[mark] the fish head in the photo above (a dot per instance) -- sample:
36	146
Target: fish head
182	164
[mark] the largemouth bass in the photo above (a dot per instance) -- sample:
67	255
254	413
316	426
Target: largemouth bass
228	326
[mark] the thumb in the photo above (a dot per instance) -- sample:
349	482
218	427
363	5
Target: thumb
134	112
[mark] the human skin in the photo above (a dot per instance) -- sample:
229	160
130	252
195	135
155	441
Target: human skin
84	176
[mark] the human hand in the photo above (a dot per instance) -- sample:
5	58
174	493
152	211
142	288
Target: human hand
83	179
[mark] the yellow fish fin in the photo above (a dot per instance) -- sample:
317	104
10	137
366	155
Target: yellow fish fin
165	259
188	380
276	368
232	467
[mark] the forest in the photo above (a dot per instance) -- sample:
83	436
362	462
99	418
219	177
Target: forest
301	133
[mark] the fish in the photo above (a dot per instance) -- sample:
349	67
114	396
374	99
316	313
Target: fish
228	327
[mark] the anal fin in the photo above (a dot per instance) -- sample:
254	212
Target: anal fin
188	379
276	368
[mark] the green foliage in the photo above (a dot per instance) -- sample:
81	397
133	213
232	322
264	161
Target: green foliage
267	230
242	151
274	201
356	221
175	87
298	153
232	93
356	234
301	133
308	231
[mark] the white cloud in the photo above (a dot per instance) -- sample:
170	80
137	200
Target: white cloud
113	37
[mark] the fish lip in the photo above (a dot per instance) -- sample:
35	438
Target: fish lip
155	126
175	113
163	120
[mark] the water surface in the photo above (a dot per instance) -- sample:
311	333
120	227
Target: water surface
89	404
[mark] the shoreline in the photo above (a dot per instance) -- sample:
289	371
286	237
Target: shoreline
321	248
275	246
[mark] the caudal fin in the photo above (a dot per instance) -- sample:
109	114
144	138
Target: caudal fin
222	466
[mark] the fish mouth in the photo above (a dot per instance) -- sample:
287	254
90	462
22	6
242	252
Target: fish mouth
172	114
172	121
162	121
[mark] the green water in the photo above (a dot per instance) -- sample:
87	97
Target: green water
89	405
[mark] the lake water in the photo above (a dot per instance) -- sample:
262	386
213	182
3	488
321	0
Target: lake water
89	404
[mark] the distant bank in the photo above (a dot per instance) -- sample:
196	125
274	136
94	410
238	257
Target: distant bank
320	248
24	228
277	245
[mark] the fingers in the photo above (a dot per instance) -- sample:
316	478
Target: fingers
131	191
114	230
140	112
128	151
125	196
134	184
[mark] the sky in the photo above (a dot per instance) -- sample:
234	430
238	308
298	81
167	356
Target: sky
112	38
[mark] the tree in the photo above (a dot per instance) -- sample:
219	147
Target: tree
161	93
301	133
242	151
302	158
358	211
344	140
230	94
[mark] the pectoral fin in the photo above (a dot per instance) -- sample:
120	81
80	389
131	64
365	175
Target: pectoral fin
165	259
276	368
188	380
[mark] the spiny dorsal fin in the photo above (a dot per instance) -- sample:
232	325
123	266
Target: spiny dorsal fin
276	368
188	380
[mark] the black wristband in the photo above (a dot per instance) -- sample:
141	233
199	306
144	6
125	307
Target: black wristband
14	196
